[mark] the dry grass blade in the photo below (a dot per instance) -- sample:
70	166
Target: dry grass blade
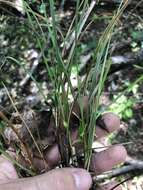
4	118
34	141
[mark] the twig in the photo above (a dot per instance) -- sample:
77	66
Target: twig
133	165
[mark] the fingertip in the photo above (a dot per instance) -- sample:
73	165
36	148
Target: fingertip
51	159
111	122
68	178
119	151
52	155
82	179
107	159
7	170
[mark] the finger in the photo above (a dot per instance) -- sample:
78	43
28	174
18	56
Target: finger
50	160
107	159
59	179
51	156
7	170
72	179
111	122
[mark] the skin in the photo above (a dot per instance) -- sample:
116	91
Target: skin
67	178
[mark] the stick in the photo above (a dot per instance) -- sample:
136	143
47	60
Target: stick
133	165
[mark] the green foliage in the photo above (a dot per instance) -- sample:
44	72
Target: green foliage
123	106
137	35
42	8
123	103
1	126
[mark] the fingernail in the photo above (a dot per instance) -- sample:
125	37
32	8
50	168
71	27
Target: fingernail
82	179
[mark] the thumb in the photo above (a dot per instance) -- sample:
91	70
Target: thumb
67	178
57	179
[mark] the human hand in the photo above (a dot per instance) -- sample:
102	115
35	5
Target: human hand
67	178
